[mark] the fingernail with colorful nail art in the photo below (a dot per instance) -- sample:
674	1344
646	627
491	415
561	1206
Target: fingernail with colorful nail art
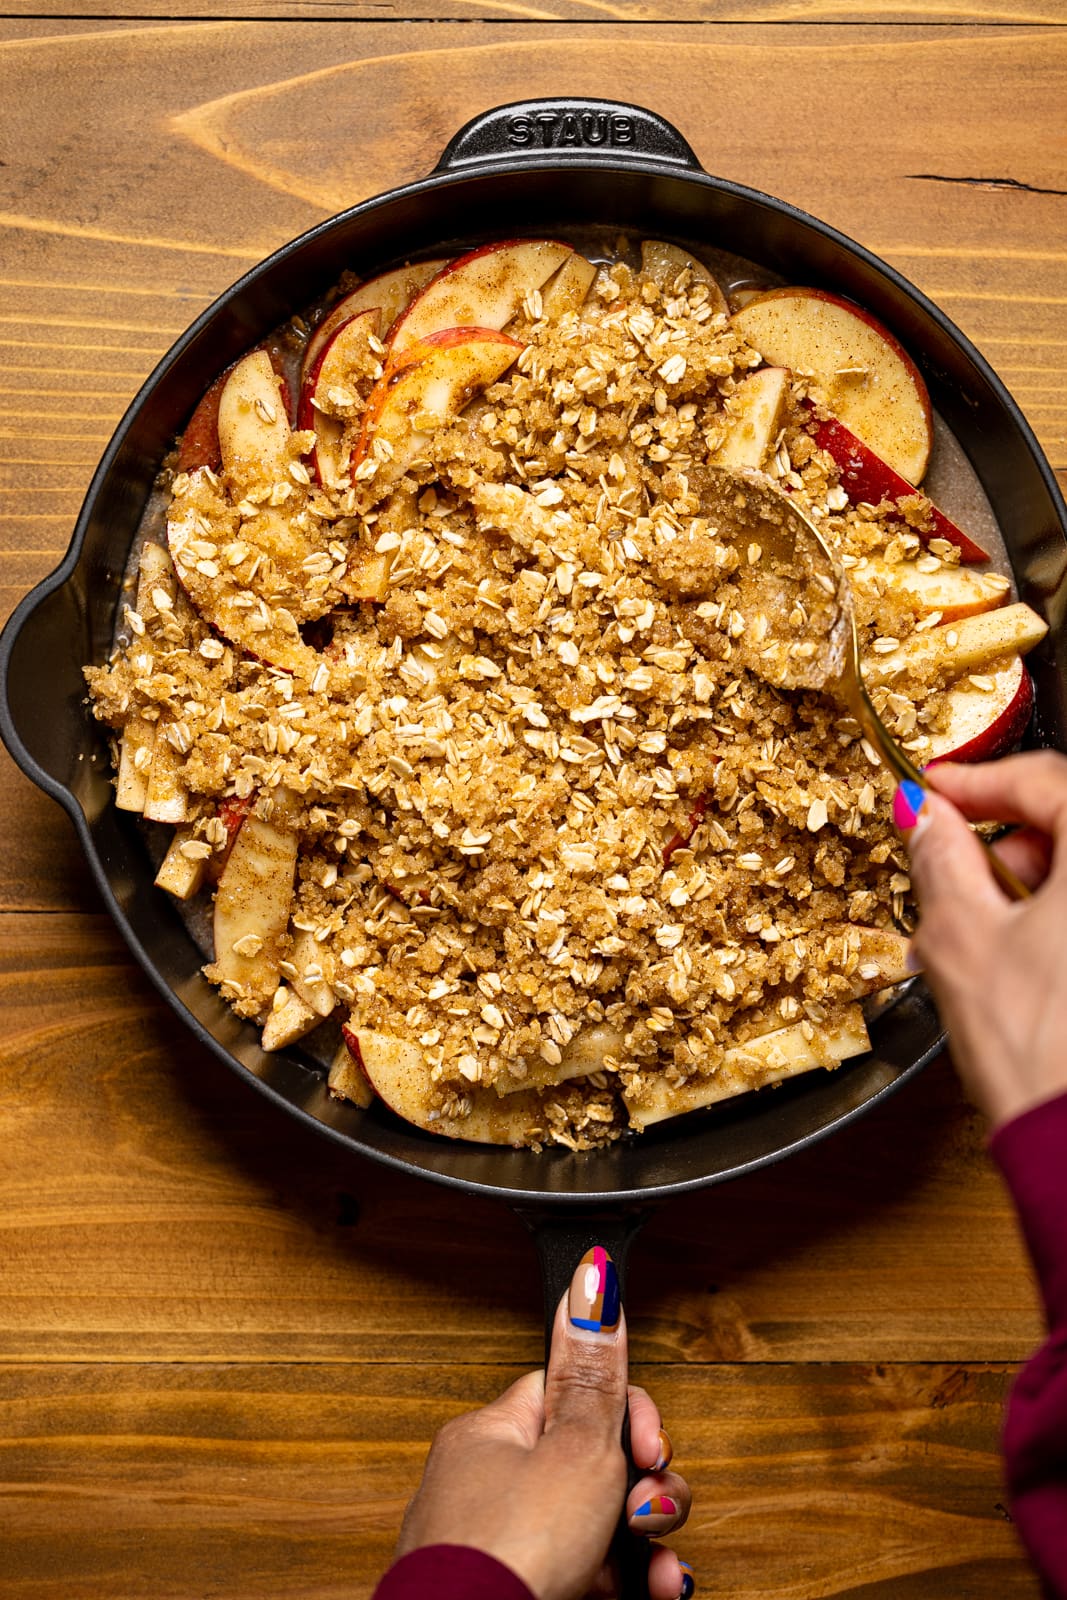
666	1451
594	1296
655	1516
689	1583
908	803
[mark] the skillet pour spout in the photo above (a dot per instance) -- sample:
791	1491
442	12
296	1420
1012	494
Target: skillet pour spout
567	167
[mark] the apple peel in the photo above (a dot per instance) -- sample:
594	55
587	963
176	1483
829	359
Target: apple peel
866	477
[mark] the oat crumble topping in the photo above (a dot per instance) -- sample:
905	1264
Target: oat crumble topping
534	790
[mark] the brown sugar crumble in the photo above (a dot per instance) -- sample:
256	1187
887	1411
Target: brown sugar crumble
538	802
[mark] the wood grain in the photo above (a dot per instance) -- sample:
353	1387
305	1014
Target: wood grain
606	13
109	250
224	1345
209	1227
855	1482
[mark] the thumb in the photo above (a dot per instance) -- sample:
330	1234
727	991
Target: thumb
586	1383
949	868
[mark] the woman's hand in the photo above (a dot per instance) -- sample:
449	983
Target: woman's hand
537	1477
997	968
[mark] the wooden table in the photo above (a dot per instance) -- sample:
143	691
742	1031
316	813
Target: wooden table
223	1348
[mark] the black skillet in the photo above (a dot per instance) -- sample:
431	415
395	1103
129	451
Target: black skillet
551	167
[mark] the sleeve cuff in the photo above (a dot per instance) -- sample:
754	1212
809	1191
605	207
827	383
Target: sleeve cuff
451	1572
1031	1152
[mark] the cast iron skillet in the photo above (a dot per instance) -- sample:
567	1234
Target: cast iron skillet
535	168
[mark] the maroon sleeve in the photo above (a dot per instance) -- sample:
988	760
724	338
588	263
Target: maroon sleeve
450	1572
1031	1151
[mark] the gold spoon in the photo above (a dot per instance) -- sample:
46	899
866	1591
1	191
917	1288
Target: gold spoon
800	627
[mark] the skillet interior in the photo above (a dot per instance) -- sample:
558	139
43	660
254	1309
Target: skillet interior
69	620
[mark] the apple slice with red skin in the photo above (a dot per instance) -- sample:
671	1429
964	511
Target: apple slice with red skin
389	294
199	444
398	1073
865	476
452	366
985	722
483	289
347	1080
768	1059
231	813
867	378
754	416
953	592
331	370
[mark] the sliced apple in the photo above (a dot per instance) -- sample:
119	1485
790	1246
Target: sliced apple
166	799
664	263
199	444
344	352
568	289
584	1054
483	289
254	430
131	785
368	575
987	718
769	1059
181	874
311	973
397	1072
679	840
289	1020
866	377
389	294
953	592
231	813
866	476
268	633
347	1080
252	908
954	649
454	365
754	416
881	958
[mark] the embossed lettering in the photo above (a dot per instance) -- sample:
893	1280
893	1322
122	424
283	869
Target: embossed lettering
553	129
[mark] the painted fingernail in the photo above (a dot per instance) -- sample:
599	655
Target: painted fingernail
911	960
594	1298
655	1516
666	1451
908	803
689	1583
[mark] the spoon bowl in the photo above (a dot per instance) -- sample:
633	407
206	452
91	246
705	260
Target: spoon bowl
796	603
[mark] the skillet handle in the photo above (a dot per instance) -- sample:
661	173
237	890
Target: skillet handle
528	131
561	1242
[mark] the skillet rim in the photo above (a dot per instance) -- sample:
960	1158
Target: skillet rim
469	172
